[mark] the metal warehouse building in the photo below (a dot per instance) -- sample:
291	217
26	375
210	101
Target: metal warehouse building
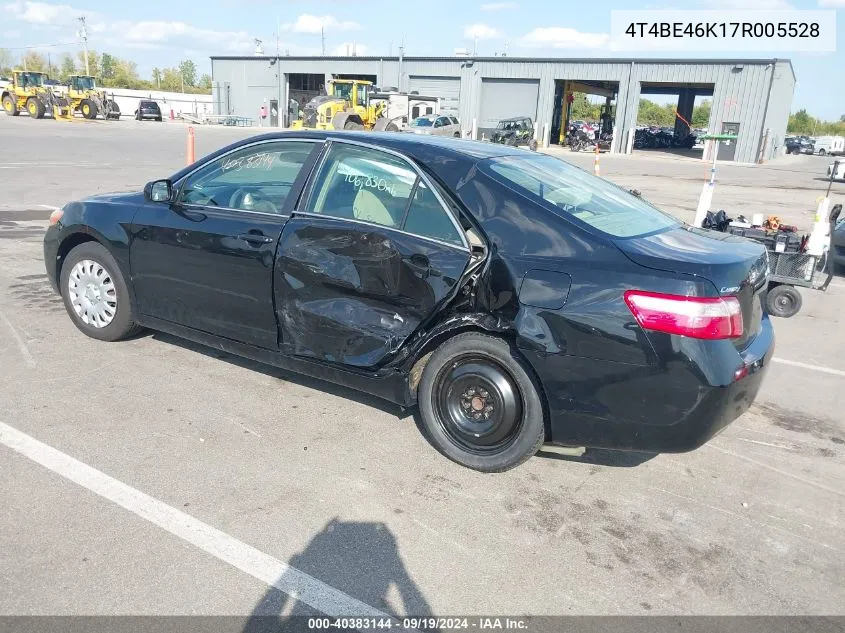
750	98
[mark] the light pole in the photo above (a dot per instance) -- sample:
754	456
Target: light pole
83	33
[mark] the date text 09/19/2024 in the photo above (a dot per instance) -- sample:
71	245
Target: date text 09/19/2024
419	623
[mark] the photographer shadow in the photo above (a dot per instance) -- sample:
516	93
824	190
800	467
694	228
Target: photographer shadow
360	560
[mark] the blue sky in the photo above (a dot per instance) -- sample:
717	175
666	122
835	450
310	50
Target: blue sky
160	33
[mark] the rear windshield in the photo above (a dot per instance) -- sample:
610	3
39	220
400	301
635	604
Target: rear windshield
577	194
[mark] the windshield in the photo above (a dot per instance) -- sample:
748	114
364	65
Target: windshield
86	83
577	194
343	91
32	79
422	122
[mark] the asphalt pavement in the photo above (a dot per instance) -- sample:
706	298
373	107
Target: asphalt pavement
155	476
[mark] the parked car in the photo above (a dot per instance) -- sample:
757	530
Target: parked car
799	145
837	170
147	109
516	131
837	241
514	298
438	125
829	145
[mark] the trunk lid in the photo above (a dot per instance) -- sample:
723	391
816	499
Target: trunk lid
736	266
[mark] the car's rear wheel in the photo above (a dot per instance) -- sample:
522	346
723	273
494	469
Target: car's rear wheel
822	152
479	405
783	301
95	293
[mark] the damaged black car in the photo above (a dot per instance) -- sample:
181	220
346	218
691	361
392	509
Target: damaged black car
515	299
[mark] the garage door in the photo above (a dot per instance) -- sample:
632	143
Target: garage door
507	98
447	88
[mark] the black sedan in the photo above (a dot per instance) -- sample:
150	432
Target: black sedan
516	299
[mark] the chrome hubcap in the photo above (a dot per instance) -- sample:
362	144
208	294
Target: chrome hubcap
92	293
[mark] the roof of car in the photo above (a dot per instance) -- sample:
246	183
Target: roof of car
406	143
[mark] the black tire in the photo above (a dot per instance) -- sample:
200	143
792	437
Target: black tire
10	106
123	322
783	301
532	144
88	108
822	152
158	118
35	107
479	404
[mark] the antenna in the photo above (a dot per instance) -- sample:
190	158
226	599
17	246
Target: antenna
83	34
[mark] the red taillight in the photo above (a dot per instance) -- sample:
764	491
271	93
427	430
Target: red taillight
696	317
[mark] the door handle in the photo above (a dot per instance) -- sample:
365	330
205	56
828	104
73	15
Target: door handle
255	238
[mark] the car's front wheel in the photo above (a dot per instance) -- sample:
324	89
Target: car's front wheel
95	293
479	405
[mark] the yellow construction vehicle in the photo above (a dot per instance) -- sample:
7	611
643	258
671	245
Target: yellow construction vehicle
27	91
85	97
346	107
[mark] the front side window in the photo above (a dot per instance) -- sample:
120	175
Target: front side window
577	194
422	122
253	178
369	185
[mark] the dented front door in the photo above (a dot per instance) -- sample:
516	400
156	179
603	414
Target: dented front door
354	278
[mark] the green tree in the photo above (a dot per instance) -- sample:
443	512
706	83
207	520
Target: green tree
107	67
67	67
701	114
157	77
205	82
33	60
188	70
93	62
171	80
7	61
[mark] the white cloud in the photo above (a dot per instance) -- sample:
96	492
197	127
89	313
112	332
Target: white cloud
348	47
832	4
564	37
499	6
480	31
754	5
42	13
307	23
161	33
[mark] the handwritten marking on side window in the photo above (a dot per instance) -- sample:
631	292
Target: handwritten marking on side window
373	182
255	161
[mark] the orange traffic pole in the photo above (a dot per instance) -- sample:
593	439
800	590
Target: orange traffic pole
596	169
191	156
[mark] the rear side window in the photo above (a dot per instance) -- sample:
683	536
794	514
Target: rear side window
369	185
579	195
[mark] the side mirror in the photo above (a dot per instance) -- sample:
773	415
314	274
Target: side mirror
159	191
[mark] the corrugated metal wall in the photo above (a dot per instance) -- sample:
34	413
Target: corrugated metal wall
755	94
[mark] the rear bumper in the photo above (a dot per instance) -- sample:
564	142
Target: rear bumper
674	406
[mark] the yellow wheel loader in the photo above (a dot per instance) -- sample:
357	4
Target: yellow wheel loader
86	98
346	107
28	92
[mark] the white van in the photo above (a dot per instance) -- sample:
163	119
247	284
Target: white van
829	145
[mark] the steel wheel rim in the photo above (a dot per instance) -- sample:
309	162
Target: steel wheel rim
478	404
33	109
92	293
784	302
86	109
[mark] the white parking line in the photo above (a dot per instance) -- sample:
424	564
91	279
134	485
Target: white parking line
824	370
228	549
24	350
